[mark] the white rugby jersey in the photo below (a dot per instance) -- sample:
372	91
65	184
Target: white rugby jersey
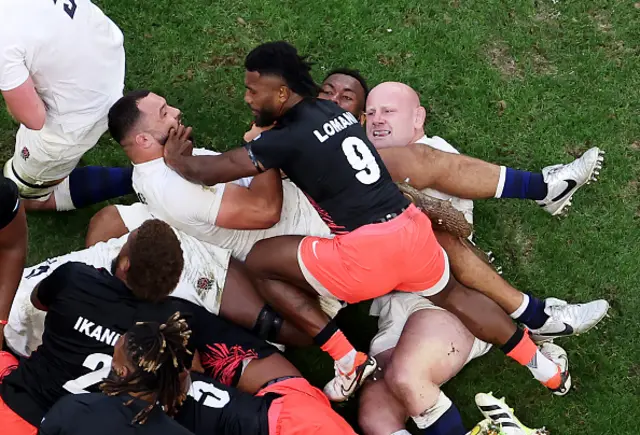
73	52
201	282
193	208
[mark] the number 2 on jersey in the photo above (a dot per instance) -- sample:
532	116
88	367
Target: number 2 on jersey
69	7
100	363
361	159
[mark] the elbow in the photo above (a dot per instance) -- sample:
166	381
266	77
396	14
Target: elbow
272	216
36	121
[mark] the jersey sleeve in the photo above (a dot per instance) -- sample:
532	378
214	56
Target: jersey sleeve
9	201
272	148
49	287
192	203
13	69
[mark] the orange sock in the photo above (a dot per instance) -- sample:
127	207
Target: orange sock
337	346
542	368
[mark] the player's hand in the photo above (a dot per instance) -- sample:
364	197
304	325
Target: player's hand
255	132
178	144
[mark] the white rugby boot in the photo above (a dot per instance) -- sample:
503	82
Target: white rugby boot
563	180
569	319
499	415
559	356
343	385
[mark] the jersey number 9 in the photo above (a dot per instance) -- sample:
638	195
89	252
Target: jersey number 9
361	159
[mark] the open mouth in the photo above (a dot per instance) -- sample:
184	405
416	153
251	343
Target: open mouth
381	133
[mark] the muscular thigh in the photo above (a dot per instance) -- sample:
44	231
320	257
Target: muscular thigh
435	342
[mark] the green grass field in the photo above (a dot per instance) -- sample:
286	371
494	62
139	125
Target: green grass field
523	83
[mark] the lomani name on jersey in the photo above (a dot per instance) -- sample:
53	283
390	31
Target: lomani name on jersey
335	125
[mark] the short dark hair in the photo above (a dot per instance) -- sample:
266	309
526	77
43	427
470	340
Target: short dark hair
159	354
281	59
124	114
155	261
351	73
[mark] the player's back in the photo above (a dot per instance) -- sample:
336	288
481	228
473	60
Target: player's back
71	49
214	408
88	310
325	151
99	414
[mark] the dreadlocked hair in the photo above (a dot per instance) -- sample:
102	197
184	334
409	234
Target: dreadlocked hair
160	355
281	59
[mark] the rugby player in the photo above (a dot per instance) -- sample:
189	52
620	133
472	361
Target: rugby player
211	279
13	247
382	241
395	108
59	84
87	310
146	382
416	340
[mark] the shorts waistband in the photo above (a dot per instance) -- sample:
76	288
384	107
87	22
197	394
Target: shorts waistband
389	216
276	380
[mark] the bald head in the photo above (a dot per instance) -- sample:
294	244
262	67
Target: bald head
394	115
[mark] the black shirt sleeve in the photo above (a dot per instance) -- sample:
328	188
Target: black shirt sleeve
60	415
9	201
49	287
273	148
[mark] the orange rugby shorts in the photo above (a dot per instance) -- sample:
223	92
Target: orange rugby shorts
11	422
302	410
401	254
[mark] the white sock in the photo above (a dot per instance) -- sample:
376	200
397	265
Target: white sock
346	362
523	306
431	415
542	367
62	194
503	177
402	432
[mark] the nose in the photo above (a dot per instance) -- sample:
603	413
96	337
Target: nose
376	119
247	99
335	98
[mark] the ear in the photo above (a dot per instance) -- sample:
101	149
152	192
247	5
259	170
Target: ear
144	140
284	94
421	117
124	264
363	119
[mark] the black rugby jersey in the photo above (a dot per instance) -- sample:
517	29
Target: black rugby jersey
88	310
99	414
325	151
214	408
222	345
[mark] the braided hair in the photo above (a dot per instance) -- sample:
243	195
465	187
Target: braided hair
281	59
160	355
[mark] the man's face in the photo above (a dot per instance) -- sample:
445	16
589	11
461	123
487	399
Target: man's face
265	96
345	91
120	264
158	117
392	118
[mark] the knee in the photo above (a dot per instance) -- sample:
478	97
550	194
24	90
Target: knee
400	378
104	225
370	418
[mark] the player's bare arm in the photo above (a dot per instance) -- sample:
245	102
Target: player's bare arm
25	105
255	207
208	170
13	252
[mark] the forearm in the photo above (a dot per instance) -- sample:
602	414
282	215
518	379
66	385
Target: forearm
268	187
11	267
207	170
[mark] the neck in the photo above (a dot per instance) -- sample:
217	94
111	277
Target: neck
146	397
418	135
291	102
146	156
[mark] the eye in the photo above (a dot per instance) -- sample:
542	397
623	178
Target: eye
347	98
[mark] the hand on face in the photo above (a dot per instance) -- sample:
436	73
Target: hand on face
178	143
